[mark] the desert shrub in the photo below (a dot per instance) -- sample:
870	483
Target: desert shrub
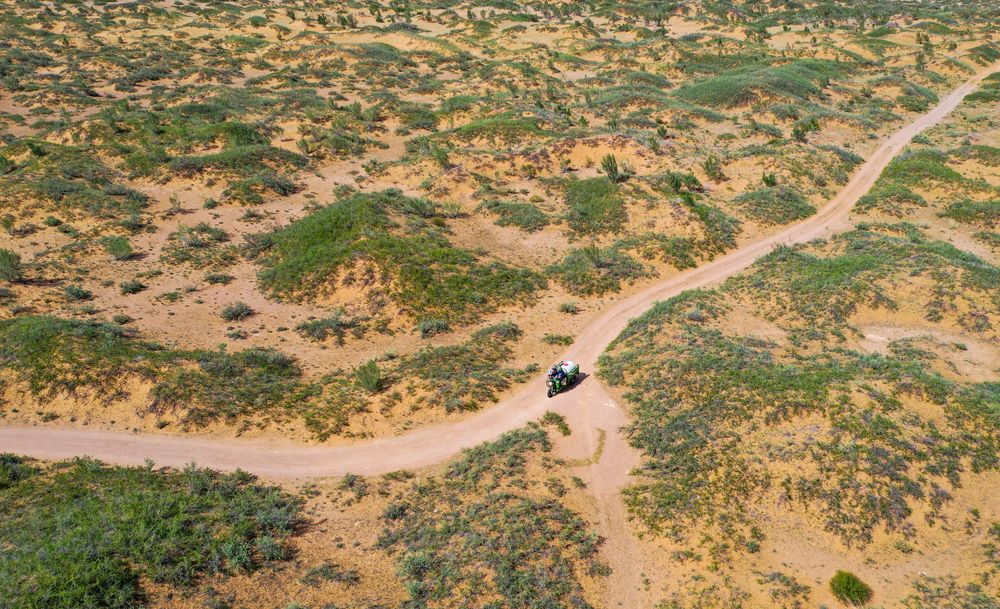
369	377
432	327
118	247
713	168
87	535
593	271
337	326
570	308
615	173
75	292
237	311
10	266
522	215
132	286
595	207
890	197
774	205
849	588
983	213
13	469
218	278
466	375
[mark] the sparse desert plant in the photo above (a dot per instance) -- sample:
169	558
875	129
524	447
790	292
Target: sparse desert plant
849	588
369	376
615	172
713	168
237	311
570	308
132	286
10	266
433	327
75	292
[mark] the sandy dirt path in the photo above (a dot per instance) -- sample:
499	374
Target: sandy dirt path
589	407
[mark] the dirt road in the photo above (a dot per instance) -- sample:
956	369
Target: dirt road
589	407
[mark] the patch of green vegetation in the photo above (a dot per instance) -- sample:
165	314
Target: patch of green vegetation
477	534
982	213
595	207
801	79
593	271
82	534
522	215
849	588
337	326
430	277
774	205
467	375
701	394
201	246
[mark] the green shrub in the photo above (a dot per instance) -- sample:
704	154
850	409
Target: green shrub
237	311
132	286
432	327
615	173
10	266
522	215
593	271
570	308
75	292
847	587
595	207
118	247
774	205
369	377
337	325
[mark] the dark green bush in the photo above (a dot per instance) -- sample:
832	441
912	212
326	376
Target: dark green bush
10	266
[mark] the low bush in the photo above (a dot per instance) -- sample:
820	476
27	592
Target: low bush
593	271
849	588
522	215
774	205
237	311
369	377
118	247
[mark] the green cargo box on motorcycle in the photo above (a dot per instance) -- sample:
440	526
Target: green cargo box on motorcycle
561	376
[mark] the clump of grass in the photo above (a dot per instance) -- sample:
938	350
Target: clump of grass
330	572
132	286
369	377
556	420
774	205
595	207
10	266
464	376
89	534
337	326
593	270
75	292
982	213
557	339
522	215
849	588
570	308
118	247
237	311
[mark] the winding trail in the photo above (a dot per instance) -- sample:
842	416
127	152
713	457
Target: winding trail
589	406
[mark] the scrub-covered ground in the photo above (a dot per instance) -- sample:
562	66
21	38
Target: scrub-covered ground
303	220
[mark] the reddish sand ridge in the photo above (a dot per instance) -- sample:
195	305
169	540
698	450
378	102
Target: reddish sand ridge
588	408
